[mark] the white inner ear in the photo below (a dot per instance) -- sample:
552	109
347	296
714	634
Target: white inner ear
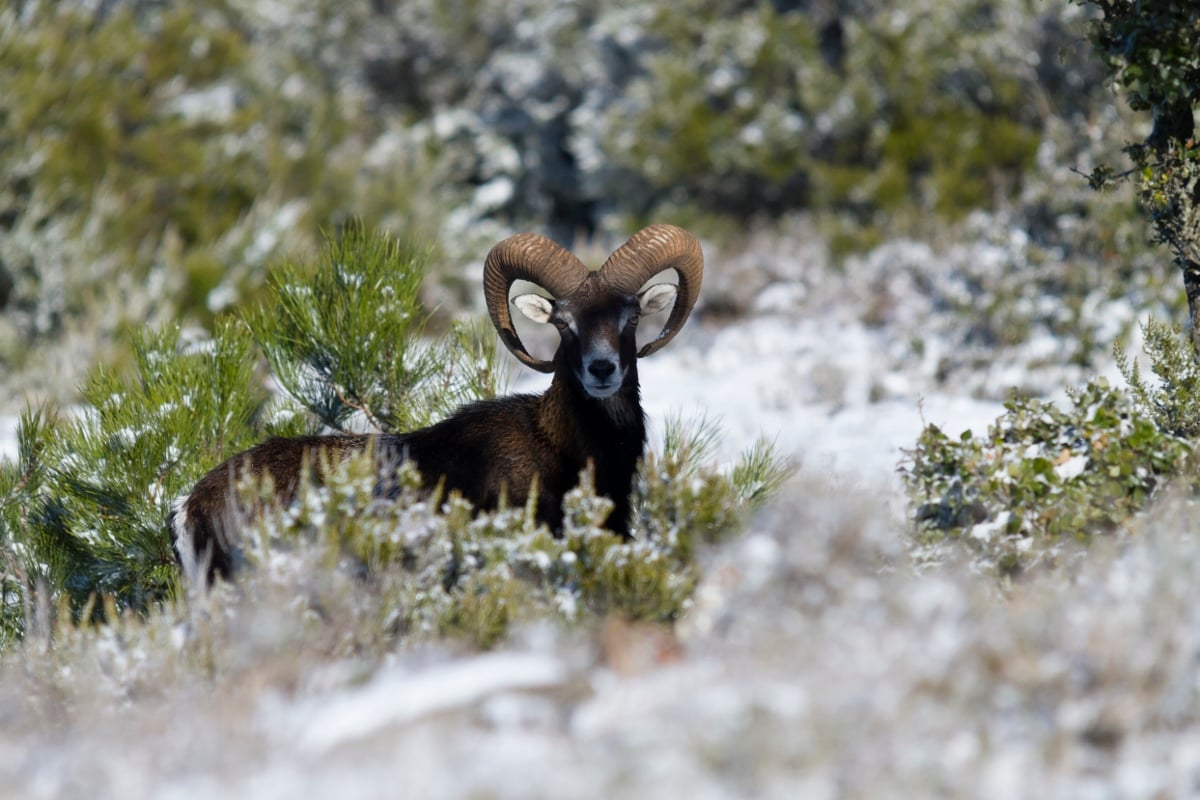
658	297
534	307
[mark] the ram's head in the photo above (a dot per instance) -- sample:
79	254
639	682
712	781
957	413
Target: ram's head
596	313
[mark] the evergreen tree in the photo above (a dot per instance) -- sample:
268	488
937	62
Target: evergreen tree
347	339
82	512
1152	49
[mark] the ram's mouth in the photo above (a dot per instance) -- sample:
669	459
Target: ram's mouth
601	389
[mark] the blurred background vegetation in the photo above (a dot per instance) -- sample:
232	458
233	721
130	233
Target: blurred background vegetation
189	193
156	157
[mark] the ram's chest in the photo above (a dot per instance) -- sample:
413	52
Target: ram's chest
612	453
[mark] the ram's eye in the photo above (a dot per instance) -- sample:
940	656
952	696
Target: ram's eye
560	324
633	319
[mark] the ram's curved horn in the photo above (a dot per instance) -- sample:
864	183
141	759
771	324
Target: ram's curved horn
534	258
647	253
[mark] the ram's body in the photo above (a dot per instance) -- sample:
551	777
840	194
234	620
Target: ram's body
485	451
591	415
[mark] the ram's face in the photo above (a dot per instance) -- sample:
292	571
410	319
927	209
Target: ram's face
598	342
597	331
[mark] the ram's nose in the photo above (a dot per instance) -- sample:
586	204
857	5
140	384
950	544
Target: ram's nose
602	368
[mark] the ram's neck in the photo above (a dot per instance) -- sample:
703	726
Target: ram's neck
568	412
624	408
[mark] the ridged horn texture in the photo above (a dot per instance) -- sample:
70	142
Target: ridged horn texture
647	253
534	258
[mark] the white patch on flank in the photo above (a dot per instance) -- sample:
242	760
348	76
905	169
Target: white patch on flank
184	543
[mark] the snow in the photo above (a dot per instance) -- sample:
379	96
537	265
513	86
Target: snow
822	388
781	379
321	724
812	662
215	105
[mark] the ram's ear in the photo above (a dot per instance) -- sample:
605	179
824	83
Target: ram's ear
534	307
658	297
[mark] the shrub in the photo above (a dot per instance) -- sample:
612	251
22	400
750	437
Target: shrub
1173	401
1046	474
750	109
155	158
1042	477
573	114
89	493
426	566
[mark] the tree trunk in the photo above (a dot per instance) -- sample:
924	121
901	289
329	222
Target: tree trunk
1174	126
1191	285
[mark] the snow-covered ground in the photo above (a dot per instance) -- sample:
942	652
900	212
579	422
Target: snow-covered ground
778	378
782	379
814	663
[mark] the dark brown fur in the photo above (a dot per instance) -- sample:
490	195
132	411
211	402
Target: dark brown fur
485	451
